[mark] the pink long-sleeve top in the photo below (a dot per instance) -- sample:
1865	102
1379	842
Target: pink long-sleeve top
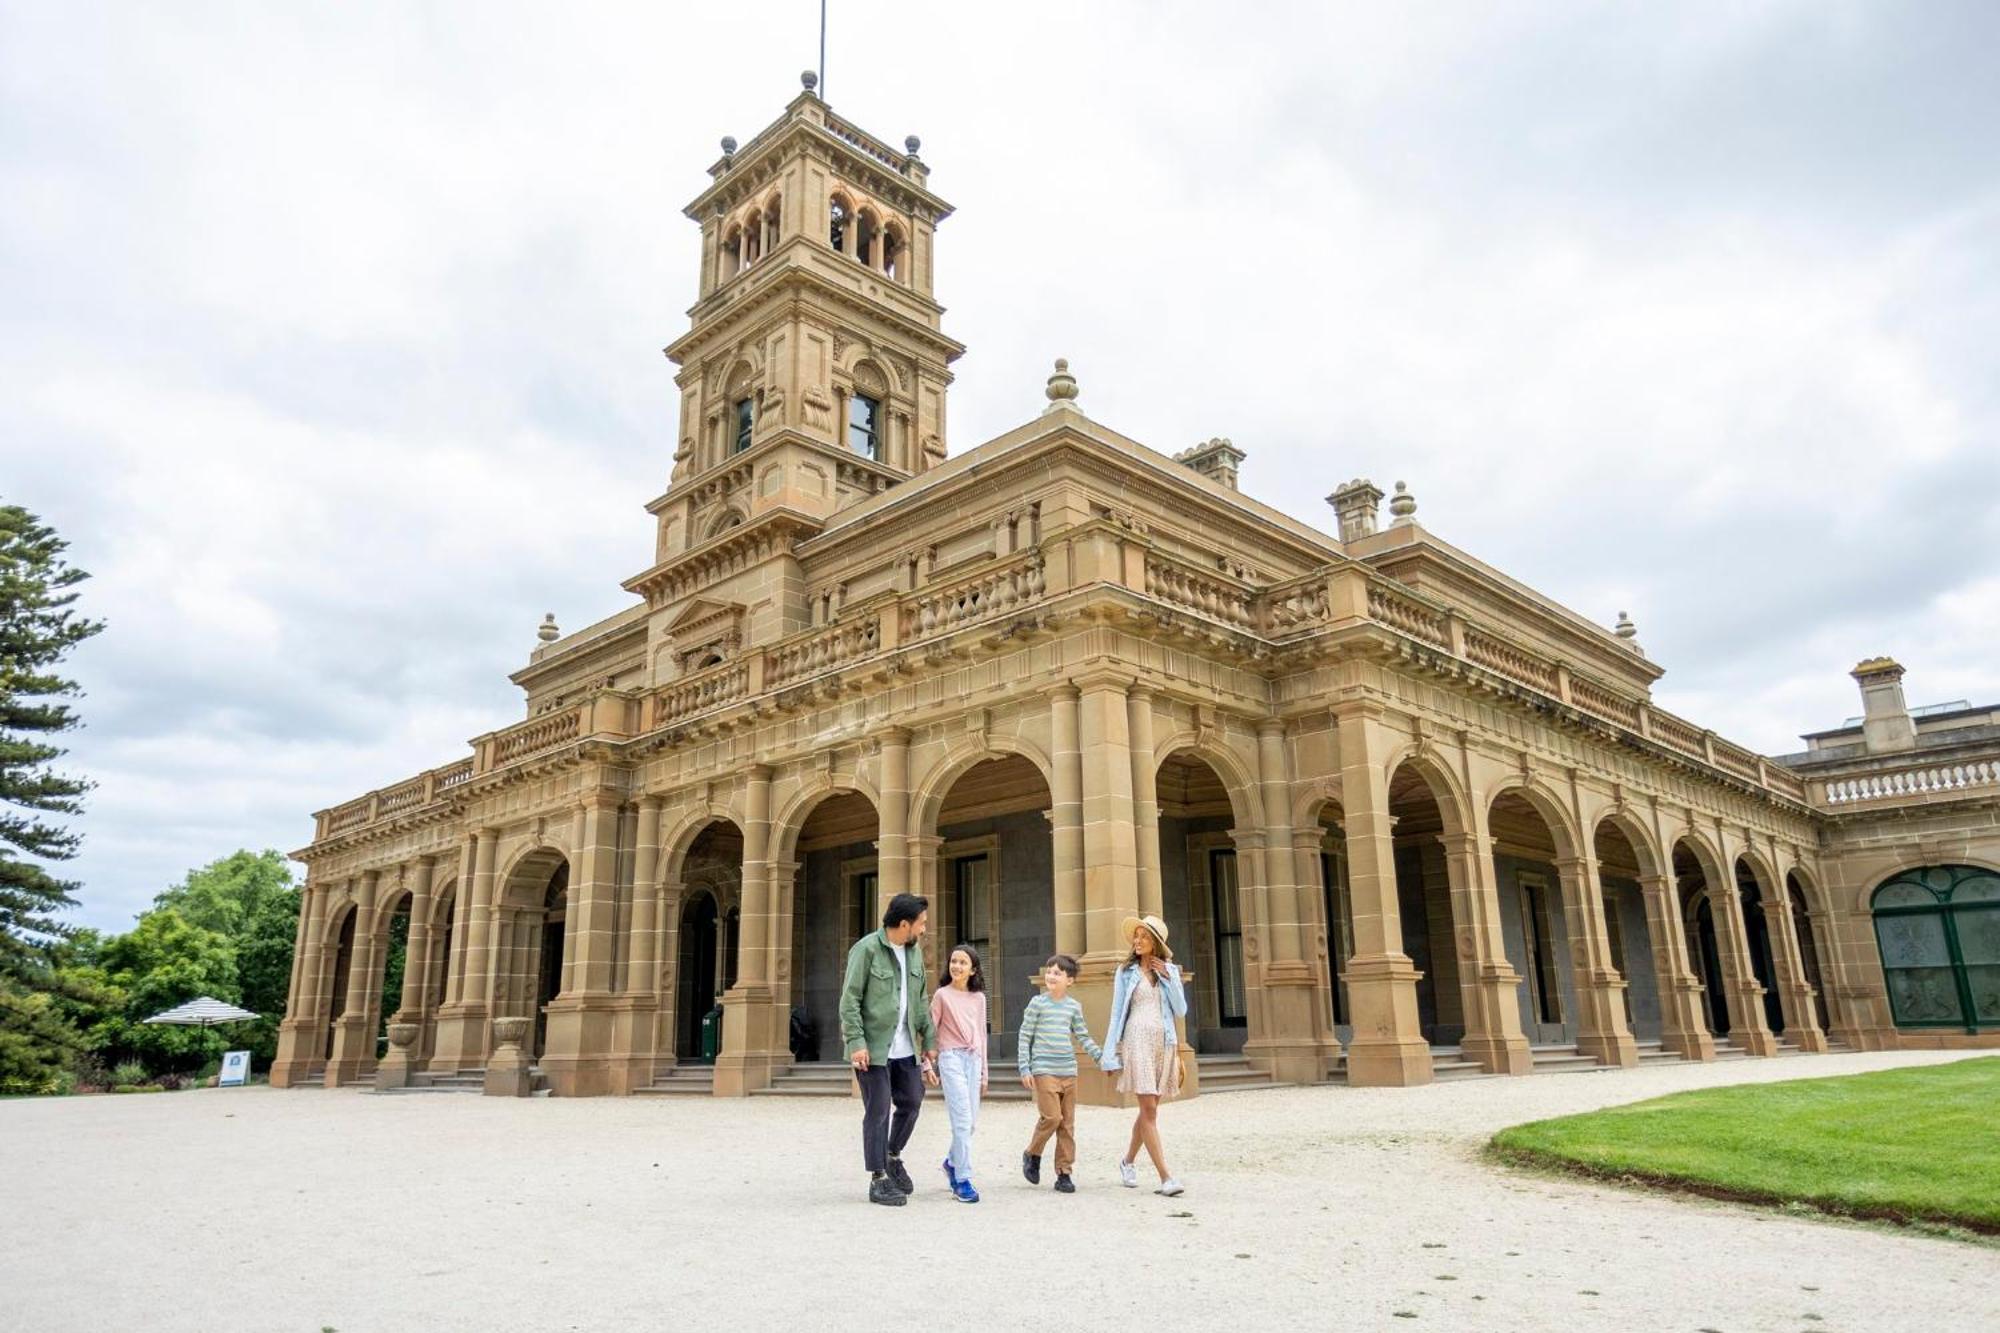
959	1018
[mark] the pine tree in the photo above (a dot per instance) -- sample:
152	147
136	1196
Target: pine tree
38	627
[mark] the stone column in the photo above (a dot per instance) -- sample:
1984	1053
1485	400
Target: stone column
924	869
1321	937
417	950
1682	1026
462	1022
1488	986
1748	1028
1601	1029
666	1025
1145	799
1388	1045
892	852
751	1028
636	1039
354	1033
1795	993
1110	856
578	1054
299	1043
1066	819
1289	1045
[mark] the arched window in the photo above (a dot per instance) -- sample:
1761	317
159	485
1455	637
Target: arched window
1938	928
839	216
866	232
732	253
771	225
892	253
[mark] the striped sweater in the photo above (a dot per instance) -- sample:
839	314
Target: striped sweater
1045	1045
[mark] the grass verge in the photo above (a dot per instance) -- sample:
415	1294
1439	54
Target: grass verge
1917	1146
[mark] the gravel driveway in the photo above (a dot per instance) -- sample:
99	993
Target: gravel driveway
1323	1207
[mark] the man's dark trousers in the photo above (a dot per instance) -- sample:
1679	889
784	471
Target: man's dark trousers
897	1085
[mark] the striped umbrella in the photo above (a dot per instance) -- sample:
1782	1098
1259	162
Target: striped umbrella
205	1012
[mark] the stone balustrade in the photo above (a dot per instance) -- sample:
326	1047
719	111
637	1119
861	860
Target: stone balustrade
993	591
1206	593
803	656
1915	782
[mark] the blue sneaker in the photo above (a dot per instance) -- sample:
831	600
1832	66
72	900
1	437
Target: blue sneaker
950	1176
964	1191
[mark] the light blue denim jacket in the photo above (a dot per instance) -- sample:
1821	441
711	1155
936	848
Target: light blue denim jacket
1122	985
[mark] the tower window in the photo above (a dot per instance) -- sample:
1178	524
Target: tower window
836	235
863	431
746	417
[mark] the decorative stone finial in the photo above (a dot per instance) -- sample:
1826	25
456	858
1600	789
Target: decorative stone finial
1402	504
808	80
548	633
911	143
1062	387
1625	629
728	149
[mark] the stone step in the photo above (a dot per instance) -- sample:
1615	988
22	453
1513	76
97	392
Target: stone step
1231	1073
1562	1060
1448	1064
1656	1053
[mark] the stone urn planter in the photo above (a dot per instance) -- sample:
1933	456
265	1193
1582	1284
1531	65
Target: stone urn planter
507	1069
394	1069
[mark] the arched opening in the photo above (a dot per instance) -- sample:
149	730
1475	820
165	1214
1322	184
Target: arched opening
828	903
771	229
698	969
840	218
892	252
396	963
1203	899
1757	934
338	979
732	253
1620	870
1704	952
994	885
529	958
1938	928
549	971
1424	907
867	232
1806	925
703	905
1336	909
1535	920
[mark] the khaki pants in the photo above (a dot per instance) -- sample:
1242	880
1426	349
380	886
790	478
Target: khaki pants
1055	1103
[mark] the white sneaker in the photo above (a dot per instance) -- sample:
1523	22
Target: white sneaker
1128	1175
1169	1187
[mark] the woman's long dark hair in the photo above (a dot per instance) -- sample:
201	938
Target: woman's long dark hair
975	979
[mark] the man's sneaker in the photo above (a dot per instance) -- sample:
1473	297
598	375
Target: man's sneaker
1031	1168
881	1189
1064	1185
1169	1187
950	1176
963	1191
1128	1175
901	1178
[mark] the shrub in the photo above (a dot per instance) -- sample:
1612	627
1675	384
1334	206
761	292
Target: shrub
171	1082
128	1073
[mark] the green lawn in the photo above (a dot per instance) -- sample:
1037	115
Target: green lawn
1913	1145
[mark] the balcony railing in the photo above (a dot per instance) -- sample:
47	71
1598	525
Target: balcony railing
1914	783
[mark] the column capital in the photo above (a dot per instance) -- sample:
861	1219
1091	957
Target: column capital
652	800
759	773
896	735
1248	839
1065	690
1103	678
1270	726
1140	692
426	862
924	842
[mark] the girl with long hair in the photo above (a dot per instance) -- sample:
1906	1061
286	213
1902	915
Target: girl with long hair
1141	1046
958	1016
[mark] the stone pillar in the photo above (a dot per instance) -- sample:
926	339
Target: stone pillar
1795	993
1066	819
1388	1046
507	1073
354	1032
1289	1046
1322	937
1748	1028
752	1028
299	1043
1145	799
635	1041
578	1054
417	952
892	852
394	1071
462	1023
1110	857
1682	1026
1601	1029
1488	986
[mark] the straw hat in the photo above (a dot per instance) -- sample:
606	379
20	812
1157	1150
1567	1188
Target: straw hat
1154	927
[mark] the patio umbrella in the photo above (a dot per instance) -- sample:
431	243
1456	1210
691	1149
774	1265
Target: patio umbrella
205	1012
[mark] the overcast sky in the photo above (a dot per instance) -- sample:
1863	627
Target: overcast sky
330	334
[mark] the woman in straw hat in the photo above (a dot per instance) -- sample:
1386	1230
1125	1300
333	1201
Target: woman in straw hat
1140	1045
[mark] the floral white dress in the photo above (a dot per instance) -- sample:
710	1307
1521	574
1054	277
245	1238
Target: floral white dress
1147	1065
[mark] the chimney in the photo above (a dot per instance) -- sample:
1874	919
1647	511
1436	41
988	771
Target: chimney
1217	460
1885	718
1356	503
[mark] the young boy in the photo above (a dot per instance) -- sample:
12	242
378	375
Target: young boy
1048	1069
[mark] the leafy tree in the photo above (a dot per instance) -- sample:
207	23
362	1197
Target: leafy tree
38	627
163	961
249	898
37	1041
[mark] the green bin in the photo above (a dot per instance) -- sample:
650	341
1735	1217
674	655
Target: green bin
711	1035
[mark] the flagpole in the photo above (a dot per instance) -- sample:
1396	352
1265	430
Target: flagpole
822	49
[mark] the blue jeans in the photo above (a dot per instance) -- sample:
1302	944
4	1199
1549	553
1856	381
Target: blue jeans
958	1071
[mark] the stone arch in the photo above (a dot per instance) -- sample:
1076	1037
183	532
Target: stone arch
1311	799
1562	827
1454	802
1652	863
928	792
1707	856
1239	781
1864	897
1770	885
527	874
389	895
790	818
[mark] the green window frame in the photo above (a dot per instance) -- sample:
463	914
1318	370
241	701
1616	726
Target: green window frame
1937	929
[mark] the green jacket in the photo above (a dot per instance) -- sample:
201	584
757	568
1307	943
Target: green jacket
868	999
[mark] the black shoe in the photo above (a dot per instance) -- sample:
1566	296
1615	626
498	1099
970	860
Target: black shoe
1064	1185
901	1178
1031	1167
881	1189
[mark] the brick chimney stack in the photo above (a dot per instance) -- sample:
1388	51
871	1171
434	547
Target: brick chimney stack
1885	717
1357	504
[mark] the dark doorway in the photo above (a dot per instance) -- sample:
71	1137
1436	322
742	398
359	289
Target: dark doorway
697	974
548	985
1802	928
343	961
1708	966
1757	933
